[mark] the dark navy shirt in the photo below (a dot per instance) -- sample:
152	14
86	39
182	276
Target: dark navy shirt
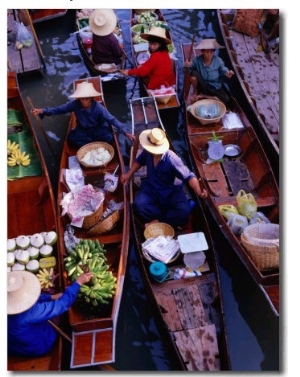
167	175
96	115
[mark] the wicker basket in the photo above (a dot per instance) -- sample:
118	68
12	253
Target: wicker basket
207	102
105	225
158	229
91	146
264	257
262	234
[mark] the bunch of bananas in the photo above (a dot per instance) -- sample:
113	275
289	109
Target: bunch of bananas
11	147
88	256
15	156
45	277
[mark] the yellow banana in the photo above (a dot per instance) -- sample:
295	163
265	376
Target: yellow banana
11	147
18	158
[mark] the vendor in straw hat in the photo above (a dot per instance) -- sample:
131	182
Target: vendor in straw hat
29	332
105	47
162	197
158	69
207	73
93	119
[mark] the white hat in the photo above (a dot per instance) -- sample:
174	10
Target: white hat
23	291
85	89
208	44
103	21
154	141
158	32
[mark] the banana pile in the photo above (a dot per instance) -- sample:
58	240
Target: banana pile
89	256
46	277
14	155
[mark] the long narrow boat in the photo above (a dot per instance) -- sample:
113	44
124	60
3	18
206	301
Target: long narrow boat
94	334
40	15
31	206
256	83
140	53
246	169
84	39
189	310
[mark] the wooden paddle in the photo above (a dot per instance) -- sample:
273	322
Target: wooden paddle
41	127
186	76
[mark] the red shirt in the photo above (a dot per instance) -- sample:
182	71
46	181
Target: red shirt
158	68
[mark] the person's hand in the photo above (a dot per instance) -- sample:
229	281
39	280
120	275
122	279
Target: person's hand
202	193
124	178
130	136
229	74
124	72
84	278
37	111
187	63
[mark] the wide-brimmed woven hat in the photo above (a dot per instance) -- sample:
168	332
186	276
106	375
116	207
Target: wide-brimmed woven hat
23	291
208	44
84	90
158	32
103	21
154	141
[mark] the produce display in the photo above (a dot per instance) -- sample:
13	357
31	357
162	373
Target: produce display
15	156
89	256
96	157
33	253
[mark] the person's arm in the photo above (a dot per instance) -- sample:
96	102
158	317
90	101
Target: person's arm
195	185
62	109
124	178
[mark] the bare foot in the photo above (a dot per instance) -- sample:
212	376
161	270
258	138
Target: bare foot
151	222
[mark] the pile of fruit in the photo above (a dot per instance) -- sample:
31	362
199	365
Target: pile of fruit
14	155
89	256
34	253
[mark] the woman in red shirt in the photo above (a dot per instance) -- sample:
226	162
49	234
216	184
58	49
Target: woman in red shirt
158	69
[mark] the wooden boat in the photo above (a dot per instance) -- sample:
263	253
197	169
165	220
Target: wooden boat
139	48
189	310
249	170
31	207
94	335
84	39
40	15
255	84
25	59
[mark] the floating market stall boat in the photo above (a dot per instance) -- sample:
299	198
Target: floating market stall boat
108	72
229	159
141	21
103	249
256	81
31	214
185	290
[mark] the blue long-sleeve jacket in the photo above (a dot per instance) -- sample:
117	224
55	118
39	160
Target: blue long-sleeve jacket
30	333
96	115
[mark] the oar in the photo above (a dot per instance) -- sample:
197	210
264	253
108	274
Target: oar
60	331
35	37
188	59
41	126
127	57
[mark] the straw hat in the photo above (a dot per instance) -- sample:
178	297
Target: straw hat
85	89
23	291
208	44
158	32
103	21
154	141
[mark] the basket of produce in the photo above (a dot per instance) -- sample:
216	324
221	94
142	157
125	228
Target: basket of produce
161	248
139	28
158	229
146	17
105	225
84	206
261	241
164	94
208	111
95	154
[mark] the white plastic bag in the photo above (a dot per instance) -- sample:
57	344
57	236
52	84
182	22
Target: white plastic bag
23	35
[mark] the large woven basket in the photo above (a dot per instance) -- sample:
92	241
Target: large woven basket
262	234
264	257
207	102
105	225
93	218
158	229
91	146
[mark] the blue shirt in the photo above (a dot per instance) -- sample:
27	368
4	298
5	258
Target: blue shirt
29	333
167	175
212	74
96	115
